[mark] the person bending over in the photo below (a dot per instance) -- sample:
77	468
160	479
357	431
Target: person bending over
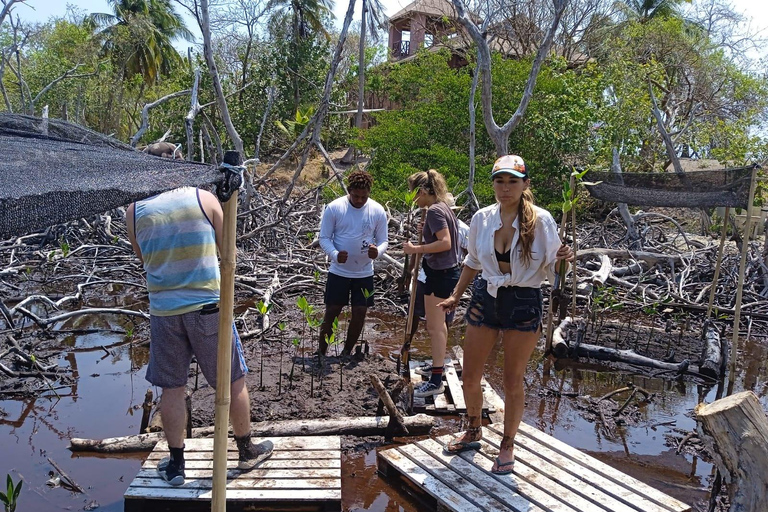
175	235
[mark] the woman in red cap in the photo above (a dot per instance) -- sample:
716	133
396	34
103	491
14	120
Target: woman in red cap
516	246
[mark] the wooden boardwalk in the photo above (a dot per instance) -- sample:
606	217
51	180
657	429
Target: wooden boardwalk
303	473
452	400
549	476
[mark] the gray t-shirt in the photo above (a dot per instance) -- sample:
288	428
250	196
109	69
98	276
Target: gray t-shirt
439	217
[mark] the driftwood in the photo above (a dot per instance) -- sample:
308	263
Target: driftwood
66	480
396	426
599	277
712	358
559	343
419	424
629	357
735	430
146	410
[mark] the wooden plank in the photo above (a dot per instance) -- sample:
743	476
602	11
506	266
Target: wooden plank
433	486
276	455
442	405
454	385
267	464
526	481
487	391
258	473
244	483
575	489
281	443
479	477
457	482
621	481
180	493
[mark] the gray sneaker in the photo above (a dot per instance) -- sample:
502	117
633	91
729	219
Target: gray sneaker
251	454
171	473
428	389
425	370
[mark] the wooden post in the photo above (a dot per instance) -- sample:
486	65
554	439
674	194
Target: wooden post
735	430
405	351
551	316
224	355
740	286
719	261
396	424
575	250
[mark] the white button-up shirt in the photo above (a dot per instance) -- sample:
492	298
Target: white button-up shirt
482	255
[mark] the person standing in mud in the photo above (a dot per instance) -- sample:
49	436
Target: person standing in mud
353	233
175	235
516	245
442	265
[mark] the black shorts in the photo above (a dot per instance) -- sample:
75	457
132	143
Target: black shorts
514	308
441	283
420	310
338	289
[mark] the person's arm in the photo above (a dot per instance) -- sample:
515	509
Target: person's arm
381	235
215	214
442	244
130	213
327	226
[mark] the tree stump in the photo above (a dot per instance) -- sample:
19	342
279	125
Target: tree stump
735	430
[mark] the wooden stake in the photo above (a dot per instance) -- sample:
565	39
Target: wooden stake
224	355
575	250
740	286
405	350
719	261
551	316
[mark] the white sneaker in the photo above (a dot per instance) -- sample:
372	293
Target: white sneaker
428	389
425	370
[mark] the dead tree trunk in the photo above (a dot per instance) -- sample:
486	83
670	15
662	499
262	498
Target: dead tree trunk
735	429
629	221
500	134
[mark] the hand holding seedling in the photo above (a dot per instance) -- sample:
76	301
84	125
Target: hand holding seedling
409	248
565	253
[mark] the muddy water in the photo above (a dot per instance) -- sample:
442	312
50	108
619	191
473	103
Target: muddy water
110	387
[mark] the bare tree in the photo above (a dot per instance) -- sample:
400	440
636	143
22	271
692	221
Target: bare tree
500	134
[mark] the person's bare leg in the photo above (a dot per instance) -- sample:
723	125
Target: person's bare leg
518	347
438	332
332	312
240	408
174	414
356	324
479	342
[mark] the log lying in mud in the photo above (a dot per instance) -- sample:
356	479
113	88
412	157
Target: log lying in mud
629	357
559	337
735	430
419	424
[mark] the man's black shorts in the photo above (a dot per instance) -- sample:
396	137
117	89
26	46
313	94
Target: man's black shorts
338	289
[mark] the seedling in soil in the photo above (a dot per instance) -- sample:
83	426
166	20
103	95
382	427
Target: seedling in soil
306	309
262	308
367	294
281	327
295	342
314	323
10	498
334	341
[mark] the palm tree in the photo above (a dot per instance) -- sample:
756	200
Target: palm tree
306	17
644	10
138	36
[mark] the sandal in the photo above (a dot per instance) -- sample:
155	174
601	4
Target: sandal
457	445
503	468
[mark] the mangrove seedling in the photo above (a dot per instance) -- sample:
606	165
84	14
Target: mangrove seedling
10	498
295	342
367	294
306	310
263	309
281	327
334	341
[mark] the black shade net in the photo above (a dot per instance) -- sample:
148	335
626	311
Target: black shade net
73	172
693	189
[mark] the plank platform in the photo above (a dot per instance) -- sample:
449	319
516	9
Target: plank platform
451	401
549	476
303	473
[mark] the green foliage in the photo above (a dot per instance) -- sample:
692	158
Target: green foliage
10	498
293	127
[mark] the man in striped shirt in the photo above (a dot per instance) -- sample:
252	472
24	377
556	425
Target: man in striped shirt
175	235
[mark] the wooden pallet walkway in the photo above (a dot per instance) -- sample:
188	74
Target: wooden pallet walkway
549	476
452	400
303	473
